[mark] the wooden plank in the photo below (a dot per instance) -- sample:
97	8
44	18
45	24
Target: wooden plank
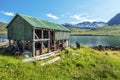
54	45
41	57
37	36
42	42
33	45
36	40
50	61
49	41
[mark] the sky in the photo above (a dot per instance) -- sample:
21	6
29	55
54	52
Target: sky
60	11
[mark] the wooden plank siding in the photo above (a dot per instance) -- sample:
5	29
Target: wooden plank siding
19	29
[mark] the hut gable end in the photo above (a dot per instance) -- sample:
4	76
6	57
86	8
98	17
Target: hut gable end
18	28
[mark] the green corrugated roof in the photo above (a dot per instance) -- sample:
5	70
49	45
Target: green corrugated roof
43	24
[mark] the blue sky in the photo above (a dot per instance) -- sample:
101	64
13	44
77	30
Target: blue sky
61	11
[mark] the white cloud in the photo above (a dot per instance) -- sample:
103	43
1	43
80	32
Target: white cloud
8	13
52	16
113	10
82	18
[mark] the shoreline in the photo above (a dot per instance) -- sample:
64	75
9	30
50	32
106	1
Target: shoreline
92	35
79	35
103	48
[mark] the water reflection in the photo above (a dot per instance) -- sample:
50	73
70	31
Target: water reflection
96	40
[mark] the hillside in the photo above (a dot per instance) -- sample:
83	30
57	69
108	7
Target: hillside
113	30
3	30
88	64
85	25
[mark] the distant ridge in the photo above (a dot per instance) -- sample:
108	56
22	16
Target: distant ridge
115	20
85	25
2	24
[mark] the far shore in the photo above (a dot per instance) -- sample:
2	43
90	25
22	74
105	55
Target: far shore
91	35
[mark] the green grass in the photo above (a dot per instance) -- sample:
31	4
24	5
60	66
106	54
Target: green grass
3	29
106	30
90	65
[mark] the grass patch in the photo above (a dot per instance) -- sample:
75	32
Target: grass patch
89	65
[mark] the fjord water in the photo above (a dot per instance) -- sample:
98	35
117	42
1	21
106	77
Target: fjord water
3	36
96	40
91	40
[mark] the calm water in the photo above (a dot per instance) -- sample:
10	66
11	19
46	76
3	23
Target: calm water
96	40
3	36
91	40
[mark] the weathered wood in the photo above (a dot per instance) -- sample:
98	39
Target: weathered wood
50	61
41	57
68	43
49	41
33	43
42	43
36	40
36	36
54	45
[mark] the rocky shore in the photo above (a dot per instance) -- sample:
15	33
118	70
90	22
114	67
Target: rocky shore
102	48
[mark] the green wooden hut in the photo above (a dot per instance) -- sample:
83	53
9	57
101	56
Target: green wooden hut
37	35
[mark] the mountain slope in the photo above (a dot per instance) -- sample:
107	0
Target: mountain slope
3	29
85	25
115	20
90	24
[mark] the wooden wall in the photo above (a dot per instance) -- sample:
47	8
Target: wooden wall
19	29
60	35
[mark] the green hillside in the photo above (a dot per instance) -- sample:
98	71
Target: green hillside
3	30
88	64
105	30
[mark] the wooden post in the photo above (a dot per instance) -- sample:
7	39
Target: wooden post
62	43
23	45
68	43
58	44
33	43
49	41
54	45
42	43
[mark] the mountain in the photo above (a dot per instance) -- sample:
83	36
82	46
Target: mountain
69	26
85	25
90	24
115	20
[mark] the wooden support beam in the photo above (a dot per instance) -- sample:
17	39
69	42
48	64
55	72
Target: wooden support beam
68	43
36	36
62	43
54	45
42	43
33	49
49	41
33	43
36	40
